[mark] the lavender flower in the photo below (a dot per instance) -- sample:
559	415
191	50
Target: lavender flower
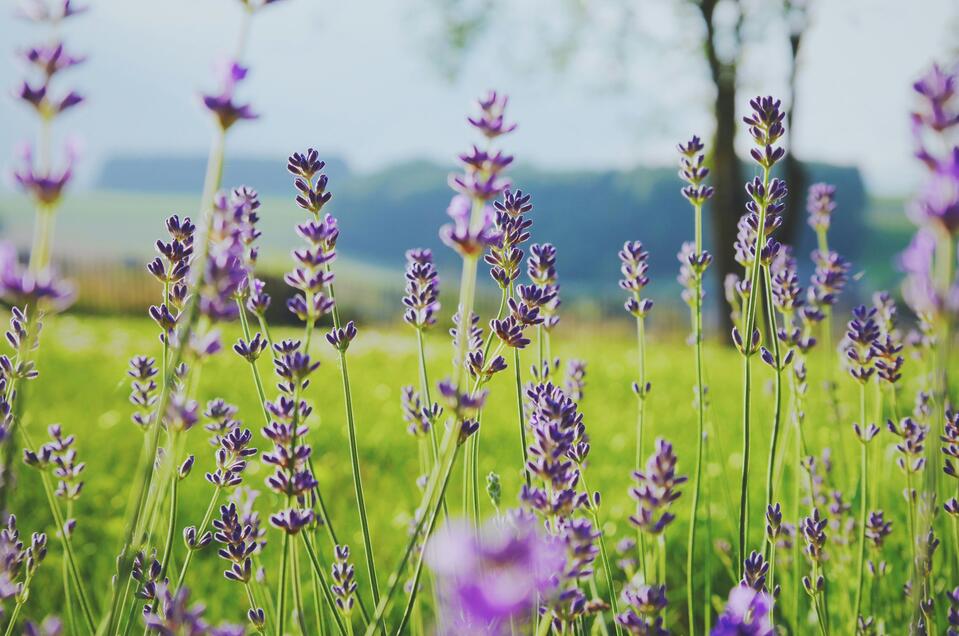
143	394
821	203
422	289
486	579
223	104
312	275
575	379
912	443
19	562
748	613
464	235
657	488
344	581
238	544
555	450
51	626
645	604
43	290
541	269
950	443
634	267
862	334
44	185
512	230
59	456
231	457
829	278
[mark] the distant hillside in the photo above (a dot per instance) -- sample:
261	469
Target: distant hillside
184	174
586	214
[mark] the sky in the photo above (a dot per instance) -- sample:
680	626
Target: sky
367	80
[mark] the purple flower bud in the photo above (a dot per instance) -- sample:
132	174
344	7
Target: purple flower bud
223	105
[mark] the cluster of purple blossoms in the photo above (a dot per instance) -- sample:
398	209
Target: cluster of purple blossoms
950	448
473	227
888	347
22	287
656	489
936	209
292	478
59	456
344	581
17	369
820	204
512	230
223	104
489	578
575	384
312	276
422	289
634	266
828	279
173	614
813	531
693	171
419	419
225	281
541	269
763	212
748	612
912	443
238	542
862	334
558	447
172	268
477	363
42	182
644	607
233	449
18	562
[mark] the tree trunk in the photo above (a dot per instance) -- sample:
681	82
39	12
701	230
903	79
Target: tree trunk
727	203
794	173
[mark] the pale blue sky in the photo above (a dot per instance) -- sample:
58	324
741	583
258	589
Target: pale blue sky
358	79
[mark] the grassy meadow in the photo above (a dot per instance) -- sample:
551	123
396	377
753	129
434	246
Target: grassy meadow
83	385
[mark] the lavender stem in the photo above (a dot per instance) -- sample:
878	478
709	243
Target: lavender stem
700	420
190	315
318	571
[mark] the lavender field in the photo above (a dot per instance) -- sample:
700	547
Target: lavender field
243	438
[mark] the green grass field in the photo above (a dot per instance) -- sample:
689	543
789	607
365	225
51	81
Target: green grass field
83	385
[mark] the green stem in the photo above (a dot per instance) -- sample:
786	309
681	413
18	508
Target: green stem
357	480
863	503
297	589
207	517
777	412
281	590
520	416
418	571
188	321
747	336
700	428
14	615
607	570
68	551
324	583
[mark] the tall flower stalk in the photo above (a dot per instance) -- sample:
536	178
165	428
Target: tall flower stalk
226	111
36	287
753	250
469	234
694	261
862	337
